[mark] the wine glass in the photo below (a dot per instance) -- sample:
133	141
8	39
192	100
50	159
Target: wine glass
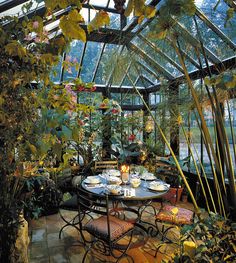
125	178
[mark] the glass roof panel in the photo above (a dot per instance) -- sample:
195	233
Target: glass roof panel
151	77
74	56
90	60
218	16
142	82
17	10
102	3
158	57
103	72
166	48
210	39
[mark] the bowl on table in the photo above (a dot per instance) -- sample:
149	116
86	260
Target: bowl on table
135	182
114	180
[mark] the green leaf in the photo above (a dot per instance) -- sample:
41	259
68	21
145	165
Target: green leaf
57	150
66	132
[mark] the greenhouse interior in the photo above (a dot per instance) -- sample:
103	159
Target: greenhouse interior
117	131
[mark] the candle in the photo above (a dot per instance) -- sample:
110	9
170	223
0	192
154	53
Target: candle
124	173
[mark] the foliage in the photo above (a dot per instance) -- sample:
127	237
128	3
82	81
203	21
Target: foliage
214	238
139	9
170	10
34	123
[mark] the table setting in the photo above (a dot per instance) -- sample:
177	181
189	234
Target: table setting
124	184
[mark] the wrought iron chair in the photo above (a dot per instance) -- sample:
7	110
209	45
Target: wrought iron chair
108	232
70	205
171	217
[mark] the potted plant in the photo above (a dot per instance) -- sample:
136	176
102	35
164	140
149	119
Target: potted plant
169	173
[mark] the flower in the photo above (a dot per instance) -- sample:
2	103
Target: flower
132	137
103	106
68	58
80	88
115	111
93	88
180	120
35	24
80	122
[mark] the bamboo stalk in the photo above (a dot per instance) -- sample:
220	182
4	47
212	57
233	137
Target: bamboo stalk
170	149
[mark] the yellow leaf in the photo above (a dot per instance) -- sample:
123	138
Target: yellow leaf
15	49
33	148
101	19
139	7
75	16
72	29
140	19
175	210
129	8
150	11
160	34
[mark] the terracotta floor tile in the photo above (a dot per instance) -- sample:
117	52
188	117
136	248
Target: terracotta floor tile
38	235
58	255
54	241
40	260
37	223
38	250
46	247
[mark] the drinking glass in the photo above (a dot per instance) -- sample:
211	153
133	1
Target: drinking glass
125	178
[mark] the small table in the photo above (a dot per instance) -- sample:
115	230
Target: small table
142	193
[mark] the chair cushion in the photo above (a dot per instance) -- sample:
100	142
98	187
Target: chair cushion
181	217
99	227
71	204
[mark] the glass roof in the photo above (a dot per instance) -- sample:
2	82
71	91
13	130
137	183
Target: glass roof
102	58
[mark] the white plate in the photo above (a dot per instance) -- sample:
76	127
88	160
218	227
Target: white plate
148	177
157	188
92	180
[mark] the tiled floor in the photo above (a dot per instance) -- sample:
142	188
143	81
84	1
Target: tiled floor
46	247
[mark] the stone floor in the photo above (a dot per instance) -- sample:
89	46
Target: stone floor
46	247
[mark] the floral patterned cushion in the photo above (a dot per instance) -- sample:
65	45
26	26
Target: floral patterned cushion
99	227
172	214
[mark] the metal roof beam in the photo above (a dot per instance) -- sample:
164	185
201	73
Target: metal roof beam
10	4
82	59
197	74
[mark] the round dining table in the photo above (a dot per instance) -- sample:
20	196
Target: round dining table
140	193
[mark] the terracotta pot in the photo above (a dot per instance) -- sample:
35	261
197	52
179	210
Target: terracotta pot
173	195
184	198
